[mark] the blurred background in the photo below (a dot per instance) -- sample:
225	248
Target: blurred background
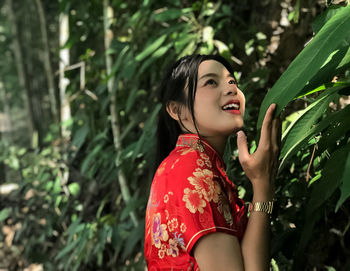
78	111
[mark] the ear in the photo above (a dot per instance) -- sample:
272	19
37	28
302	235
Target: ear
174	110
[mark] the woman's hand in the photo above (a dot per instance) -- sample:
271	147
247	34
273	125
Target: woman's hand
261	166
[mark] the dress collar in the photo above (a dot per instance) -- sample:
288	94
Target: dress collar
193	141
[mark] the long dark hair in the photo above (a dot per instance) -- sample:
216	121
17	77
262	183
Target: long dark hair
179	77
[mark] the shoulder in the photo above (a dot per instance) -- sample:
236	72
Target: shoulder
182	167
188	157
182	162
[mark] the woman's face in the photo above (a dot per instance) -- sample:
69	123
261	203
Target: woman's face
219	104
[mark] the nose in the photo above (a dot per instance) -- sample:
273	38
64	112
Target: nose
231	90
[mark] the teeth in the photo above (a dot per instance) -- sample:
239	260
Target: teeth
231	106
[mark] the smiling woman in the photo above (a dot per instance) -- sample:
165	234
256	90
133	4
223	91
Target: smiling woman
195	219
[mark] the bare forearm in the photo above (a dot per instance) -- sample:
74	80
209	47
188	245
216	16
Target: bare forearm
256	240
260	167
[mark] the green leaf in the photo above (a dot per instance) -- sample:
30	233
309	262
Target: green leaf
321	20
189	49
345	182
336	63
116	239
85	165
148	132
336	170
119	62
306	119
67	249
156	55
334	132
80	136
134	237
155	44
56	189
74	188
168	14
132	205
5	213
335	117
306	65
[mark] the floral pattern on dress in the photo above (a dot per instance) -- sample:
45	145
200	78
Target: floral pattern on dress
173	250
200	162
162	251
173	224
205	185
183	228
166	214
194	200
178	237
159	231
166	198
206	160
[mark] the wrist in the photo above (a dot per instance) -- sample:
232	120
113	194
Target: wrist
263	194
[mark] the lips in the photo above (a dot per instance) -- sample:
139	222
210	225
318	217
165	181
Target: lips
231	105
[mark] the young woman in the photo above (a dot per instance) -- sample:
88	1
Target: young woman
194	218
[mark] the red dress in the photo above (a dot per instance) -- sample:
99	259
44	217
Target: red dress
191	196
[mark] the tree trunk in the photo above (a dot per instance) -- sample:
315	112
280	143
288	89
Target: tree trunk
20	68
47	64
63	81
108	17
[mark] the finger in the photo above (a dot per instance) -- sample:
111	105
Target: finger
280	133
275	135
243	153
266	126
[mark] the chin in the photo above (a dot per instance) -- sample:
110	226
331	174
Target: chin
237	128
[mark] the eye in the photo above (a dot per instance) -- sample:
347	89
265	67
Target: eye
232	82
210	82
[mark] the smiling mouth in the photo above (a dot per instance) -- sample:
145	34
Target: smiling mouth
231	106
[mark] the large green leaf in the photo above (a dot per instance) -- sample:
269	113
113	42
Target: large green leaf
306	65
307	117
321	20
337	62
303	140
302	125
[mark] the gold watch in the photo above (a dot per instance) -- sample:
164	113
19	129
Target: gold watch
265	207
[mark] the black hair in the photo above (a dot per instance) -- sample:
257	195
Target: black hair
179	77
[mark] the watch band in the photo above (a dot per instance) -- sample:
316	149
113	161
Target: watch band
265	207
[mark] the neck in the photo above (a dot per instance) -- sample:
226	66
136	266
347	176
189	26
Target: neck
218	143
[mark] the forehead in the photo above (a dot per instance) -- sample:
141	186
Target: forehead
212	66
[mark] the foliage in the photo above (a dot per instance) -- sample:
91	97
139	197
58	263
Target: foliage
82	222
319	126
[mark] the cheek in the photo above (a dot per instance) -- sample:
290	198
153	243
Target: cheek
243	102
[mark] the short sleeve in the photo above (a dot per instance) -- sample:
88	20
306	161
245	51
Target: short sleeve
197	202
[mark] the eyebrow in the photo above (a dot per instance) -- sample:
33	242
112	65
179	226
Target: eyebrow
214	75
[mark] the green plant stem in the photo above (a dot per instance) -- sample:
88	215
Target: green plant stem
108	17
